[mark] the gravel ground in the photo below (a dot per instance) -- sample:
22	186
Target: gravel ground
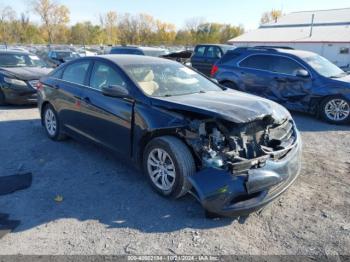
108	207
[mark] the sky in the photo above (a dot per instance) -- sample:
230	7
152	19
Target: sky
244	12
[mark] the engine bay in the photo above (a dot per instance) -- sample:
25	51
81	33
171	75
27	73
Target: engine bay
240	147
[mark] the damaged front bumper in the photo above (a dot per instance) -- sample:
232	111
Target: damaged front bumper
226	194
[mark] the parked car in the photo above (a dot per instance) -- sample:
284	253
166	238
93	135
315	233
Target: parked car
19	73
236	151
58	57
138	50
205	56
182	56
299	80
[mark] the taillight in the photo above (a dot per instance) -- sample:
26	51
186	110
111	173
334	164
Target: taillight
39	86
214	69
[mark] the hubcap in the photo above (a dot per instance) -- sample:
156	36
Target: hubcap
337	109
161	169
50	122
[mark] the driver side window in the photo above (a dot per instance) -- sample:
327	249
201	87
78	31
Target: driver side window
104	75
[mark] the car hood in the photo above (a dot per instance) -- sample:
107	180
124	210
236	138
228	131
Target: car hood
25	73
230	105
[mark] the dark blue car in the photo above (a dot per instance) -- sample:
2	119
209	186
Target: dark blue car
233	151
299	80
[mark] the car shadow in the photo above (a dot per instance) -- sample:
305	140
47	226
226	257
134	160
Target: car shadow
309	123
94	185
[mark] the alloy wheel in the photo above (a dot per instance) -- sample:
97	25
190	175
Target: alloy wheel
337	109
161	169
50	122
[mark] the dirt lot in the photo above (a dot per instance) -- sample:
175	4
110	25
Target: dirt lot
108	207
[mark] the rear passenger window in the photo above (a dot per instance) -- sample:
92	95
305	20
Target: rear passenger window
200	50
76	72
261	62
229	58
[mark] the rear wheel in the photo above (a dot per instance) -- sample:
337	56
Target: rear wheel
230	85
168	162
335	110
52	124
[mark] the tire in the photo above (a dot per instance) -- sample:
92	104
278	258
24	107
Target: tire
230	85
175	159
52	124
335	110
2	99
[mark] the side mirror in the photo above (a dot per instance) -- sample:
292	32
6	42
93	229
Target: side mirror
302	73
115	91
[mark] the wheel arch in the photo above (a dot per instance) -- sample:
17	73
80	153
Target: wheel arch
150	135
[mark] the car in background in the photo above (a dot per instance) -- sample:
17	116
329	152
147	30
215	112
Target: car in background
299	80
57	57
182	56
19	74
206	55
236	151
137	50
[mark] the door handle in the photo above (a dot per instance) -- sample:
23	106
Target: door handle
56	86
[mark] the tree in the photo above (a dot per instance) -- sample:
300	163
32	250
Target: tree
273	15
54	17
7	17
109	22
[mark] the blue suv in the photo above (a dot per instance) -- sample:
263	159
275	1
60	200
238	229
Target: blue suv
299	80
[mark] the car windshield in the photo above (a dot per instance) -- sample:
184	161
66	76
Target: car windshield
20	60
323	66
168	79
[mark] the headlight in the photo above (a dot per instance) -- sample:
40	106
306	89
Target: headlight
15	82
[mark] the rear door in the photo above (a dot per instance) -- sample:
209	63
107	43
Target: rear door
255	74
107	120
198	59
213	54
67	87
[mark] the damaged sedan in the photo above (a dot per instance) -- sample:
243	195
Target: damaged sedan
233	151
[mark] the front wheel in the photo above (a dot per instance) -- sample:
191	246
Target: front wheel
335	110
168	162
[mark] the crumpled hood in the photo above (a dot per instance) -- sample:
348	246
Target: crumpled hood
230	105
26	73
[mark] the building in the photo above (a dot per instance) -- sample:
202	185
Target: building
326	32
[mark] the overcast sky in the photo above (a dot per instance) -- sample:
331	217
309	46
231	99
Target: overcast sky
245	12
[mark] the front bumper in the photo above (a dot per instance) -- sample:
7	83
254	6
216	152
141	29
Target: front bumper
23	95
225	194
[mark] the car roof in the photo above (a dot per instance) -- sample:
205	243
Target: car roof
14	52
274	50
220	45
124	60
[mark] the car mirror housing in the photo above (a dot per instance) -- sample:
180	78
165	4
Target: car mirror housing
302	73
116	91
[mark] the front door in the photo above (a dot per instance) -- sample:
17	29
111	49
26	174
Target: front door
107	120
288	87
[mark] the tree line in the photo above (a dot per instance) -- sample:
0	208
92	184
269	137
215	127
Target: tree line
113	28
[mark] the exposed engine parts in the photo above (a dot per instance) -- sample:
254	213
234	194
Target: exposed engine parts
237	148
